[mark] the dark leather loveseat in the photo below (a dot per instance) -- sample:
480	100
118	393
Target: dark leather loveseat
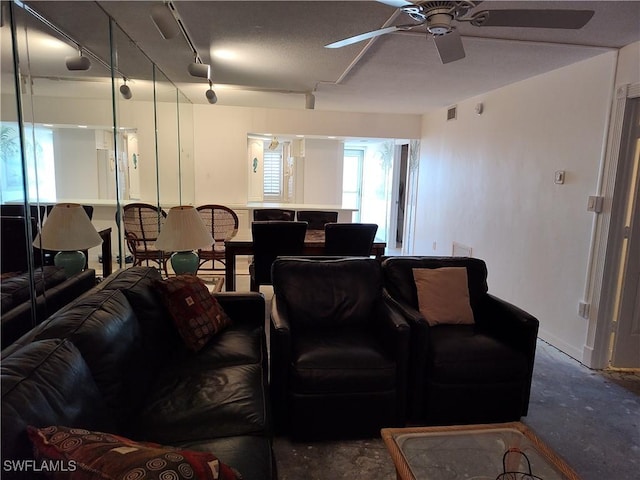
112	361
53	291
462	374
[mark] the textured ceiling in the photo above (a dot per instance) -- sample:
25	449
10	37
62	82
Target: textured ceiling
279	50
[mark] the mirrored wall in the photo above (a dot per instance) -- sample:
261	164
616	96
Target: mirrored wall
86	118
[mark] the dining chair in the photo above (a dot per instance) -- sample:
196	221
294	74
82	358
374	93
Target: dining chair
265	214
349	239
272	239
142	223
316	219
222	223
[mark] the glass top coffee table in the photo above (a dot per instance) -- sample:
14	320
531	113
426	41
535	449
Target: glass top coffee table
506	451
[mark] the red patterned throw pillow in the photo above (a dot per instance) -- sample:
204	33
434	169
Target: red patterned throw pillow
195	312
78	454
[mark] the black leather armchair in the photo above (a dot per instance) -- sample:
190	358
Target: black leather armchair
338	351
462	374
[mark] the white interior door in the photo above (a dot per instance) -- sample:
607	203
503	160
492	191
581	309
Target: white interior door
626	346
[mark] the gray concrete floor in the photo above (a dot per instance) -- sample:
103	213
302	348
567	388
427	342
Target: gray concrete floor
589	418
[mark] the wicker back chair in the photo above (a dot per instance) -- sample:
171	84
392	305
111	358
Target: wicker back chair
142	223
222	223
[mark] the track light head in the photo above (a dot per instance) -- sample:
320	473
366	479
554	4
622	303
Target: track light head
309	101
201	70
125	91
78	63
211	96
165	21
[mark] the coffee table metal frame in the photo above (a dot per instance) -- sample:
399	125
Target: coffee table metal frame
403	469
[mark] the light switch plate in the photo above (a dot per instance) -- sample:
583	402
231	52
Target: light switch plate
559	178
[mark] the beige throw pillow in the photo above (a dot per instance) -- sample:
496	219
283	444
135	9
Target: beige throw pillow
443	295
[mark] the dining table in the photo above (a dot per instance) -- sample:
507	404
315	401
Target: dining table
242	244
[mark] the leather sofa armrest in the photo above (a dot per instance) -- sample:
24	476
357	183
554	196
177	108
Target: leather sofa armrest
507	322
243	307
395	334
514	327
280	356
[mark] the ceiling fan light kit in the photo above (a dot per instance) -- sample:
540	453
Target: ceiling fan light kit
437	18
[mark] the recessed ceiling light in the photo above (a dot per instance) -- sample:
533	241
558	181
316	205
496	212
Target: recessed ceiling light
82	126
331	138
47	124
300	136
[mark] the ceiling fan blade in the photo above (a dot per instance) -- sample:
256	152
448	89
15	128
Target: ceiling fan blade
449	46
396	3
364	36
571	19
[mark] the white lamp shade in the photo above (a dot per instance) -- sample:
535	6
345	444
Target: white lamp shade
67	228
183	230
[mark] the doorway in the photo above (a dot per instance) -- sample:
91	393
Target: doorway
376	181
625	351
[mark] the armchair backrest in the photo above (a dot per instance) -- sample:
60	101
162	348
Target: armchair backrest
399	282
331	293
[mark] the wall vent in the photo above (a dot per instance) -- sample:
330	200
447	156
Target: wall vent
451	113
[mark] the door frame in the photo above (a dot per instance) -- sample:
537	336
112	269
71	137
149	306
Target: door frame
601	291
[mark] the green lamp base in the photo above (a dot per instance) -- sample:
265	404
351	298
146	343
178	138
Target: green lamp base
72	262
185	262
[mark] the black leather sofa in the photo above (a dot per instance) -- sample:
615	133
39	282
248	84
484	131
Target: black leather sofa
463	374
113	361
53	291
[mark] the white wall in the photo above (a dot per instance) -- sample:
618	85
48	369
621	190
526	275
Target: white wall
220	139
323	171
77	175
488	182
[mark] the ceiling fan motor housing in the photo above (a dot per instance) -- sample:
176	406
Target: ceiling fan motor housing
439	22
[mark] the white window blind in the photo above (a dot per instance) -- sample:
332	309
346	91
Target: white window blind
272	174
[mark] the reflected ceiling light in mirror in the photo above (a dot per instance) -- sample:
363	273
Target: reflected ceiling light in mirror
309	101
78	63
210	94
125	91
200	70
165	21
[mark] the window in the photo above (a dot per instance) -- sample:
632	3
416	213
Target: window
40	163
272	174
352	180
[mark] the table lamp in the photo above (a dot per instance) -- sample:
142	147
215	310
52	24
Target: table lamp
183	232
68	230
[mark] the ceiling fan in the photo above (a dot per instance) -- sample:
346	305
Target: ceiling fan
438	16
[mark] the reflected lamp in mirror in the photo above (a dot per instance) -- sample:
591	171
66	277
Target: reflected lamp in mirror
182	233
68	230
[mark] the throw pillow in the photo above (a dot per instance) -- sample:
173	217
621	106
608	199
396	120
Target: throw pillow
78	454
443	295
195	312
